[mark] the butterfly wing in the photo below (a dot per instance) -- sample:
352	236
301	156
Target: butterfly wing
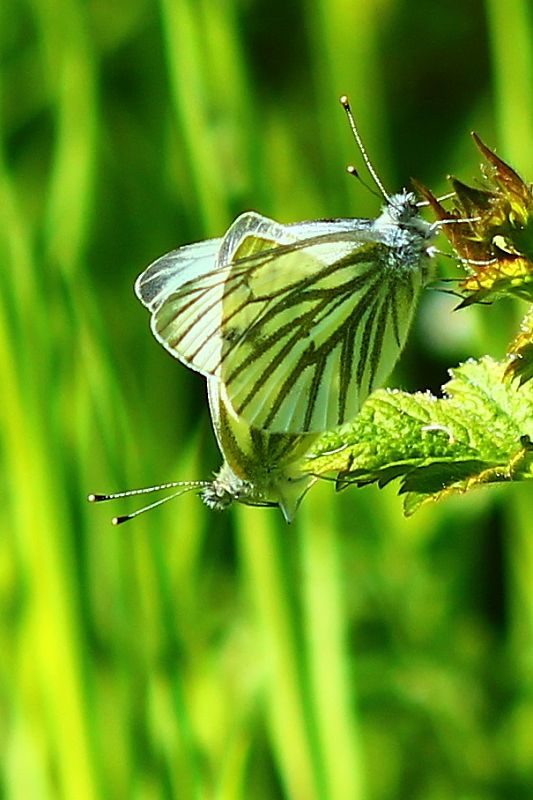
164	279
260	468
184	289
168	273
314	329
300	322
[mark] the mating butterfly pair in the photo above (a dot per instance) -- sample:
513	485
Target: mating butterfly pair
293	326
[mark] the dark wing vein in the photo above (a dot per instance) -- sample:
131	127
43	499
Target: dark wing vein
355	306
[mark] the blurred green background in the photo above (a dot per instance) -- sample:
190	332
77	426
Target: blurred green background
191	654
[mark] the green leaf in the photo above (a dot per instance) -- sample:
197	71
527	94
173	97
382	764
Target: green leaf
479	432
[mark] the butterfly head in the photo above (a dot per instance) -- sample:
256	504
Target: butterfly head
402	207
281	489
403	212
228	488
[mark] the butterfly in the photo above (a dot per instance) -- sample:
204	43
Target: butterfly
259	468
298	322
293	326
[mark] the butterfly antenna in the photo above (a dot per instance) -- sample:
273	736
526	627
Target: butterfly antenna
370	167
351	170
182	486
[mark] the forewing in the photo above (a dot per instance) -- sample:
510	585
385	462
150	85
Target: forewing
314	338
164	279
198	295
170	272
299	322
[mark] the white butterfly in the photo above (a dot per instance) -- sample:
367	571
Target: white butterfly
299	322
293	326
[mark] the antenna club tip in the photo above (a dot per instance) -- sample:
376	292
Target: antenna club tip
351	170
93	498
118	520
344	101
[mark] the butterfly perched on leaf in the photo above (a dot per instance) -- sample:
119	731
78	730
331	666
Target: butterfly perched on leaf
293	326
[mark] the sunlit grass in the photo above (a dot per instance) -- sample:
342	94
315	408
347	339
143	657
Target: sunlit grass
355	654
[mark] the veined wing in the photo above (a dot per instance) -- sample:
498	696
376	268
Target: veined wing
311	354
260	468
167	274
171	271
300	322
184	289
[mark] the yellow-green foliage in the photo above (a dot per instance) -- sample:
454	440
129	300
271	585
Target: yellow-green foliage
355	654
